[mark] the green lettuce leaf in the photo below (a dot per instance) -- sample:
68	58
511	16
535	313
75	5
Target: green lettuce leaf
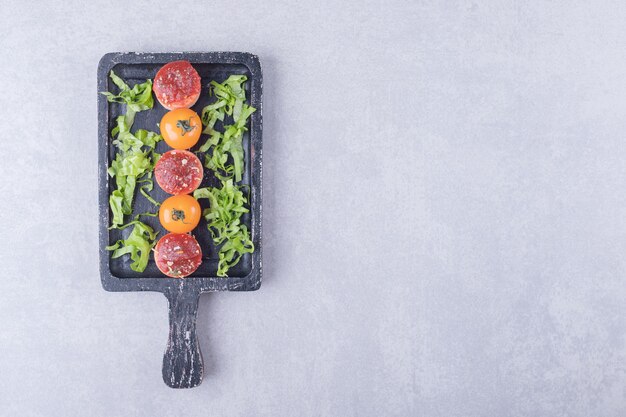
228	146
132	164
143	192
226	206
115	201
138	244
224	155
137	98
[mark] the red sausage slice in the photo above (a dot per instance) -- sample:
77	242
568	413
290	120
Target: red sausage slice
177	85
178	172
178	255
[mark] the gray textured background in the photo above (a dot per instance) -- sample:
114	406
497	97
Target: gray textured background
445	213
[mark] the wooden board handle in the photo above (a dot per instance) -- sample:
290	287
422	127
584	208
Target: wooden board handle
182	363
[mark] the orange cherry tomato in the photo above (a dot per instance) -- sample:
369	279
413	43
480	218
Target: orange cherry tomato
180	213
181	128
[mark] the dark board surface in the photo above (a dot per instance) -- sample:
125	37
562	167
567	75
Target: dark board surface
183	361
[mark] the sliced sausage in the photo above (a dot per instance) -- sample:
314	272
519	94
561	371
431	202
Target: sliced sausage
177	255
178	172
177	85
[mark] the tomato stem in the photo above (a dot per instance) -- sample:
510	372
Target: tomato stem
185	126
179	215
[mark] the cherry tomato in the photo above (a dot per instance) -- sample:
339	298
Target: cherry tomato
181	128
180	213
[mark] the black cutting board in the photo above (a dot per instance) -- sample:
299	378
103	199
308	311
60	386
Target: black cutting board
182	363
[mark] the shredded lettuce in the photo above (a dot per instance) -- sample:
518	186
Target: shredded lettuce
143	191
226	206
138	244
226	159
131	164
116	201
146	214
230	97
230	100
137	98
